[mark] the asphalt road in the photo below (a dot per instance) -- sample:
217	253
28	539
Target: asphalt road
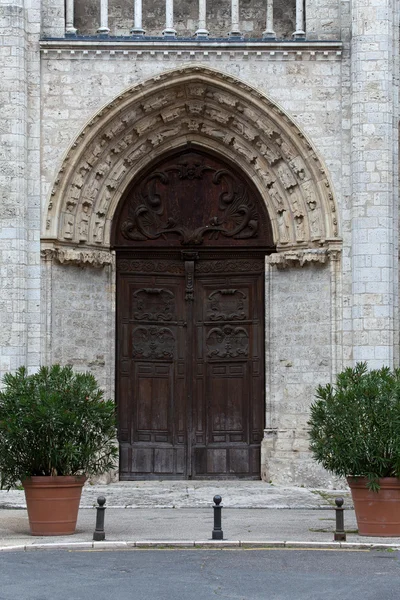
277	574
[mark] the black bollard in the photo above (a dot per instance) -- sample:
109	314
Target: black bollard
99	533
217	533
340	534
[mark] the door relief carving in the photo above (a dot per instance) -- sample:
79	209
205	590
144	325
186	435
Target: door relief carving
153	304
227	305
153	342
153	214
227	341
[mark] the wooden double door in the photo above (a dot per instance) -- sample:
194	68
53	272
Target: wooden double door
190	366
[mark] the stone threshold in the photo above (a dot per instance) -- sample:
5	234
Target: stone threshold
200	544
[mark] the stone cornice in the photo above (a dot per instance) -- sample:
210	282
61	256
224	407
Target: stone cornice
95	47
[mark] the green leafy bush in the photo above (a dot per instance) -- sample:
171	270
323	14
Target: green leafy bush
355	424
54	422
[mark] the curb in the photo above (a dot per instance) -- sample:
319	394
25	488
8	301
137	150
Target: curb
11	506
199	544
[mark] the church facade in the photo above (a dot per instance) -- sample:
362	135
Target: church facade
199	205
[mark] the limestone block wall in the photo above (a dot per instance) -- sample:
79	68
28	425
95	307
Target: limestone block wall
74	87
82	320
300	352
53	18
374	170
19	185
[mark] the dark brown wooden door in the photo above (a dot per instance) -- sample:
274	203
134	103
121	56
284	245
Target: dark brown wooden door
228	399
151	368
190	234
190	367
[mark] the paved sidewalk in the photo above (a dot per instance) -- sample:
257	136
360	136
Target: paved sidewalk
194	494
175	513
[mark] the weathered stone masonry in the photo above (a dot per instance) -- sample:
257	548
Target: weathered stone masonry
312	120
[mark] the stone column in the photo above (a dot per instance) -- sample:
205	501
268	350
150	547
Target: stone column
70	28
169	30
202	31
235	30
104	28
137	28
269	33
374	172
299	33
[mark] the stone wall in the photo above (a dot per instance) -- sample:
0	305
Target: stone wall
345	102
19	185
74	87
300	347
374	167
81	305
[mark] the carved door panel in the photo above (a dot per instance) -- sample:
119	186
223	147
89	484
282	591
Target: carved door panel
151	368
190	383
228	397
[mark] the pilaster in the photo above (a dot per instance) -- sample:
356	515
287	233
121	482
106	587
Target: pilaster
13	186
374	172
19	185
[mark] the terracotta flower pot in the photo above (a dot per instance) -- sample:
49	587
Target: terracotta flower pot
377	513
53	503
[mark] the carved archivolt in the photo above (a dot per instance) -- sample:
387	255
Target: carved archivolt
208	109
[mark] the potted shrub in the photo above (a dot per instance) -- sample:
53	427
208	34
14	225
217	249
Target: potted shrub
355	433
55	431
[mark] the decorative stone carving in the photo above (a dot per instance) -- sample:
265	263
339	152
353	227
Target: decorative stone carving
314	213
137	154
80	258
84	221
69	221
283	226
160	137
269	152
195	107
276	197
299	226
286	176
298	258
227	342
207	105
298	166
153	342
99	225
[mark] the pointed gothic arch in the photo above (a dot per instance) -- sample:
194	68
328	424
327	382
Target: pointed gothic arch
214	111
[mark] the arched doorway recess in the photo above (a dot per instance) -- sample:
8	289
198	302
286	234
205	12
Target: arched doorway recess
190	235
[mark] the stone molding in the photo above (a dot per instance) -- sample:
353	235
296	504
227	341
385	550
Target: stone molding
304	257
209	110
81	258
186	50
